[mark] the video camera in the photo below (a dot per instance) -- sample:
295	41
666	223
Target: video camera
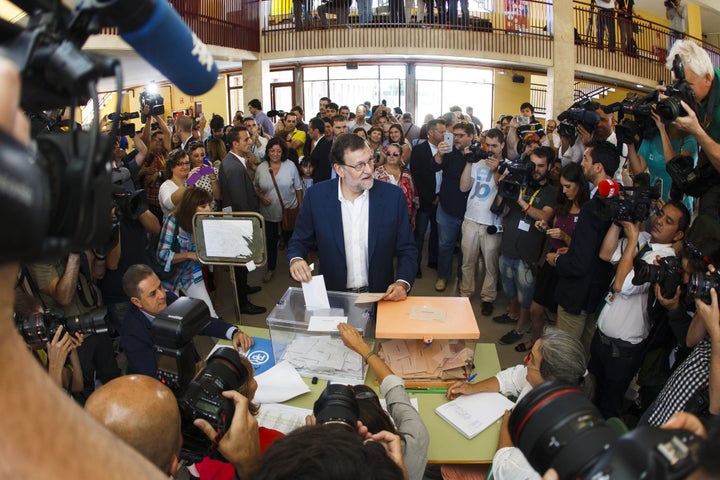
520	173
556	426
580	113
642	126
38	329
632	204
126	129
668	274
153	100
690	179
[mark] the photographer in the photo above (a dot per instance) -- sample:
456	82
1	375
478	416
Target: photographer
68	285
676	12
480	247
522	243
689	387
149	298
703	119
144	414
619	342
150	176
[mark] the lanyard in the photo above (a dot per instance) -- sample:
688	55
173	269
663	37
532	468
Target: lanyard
532	198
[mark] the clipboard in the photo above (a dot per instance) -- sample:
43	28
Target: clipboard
234	238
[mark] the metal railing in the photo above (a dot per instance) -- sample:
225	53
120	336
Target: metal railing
226	23
640	46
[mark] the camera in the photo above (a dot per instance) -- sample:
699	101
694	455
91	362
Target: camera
40	328
670	4
126	129
337	406
520	174
670	108
668	274
156	103
690	179
276	113
556	426
203	399
642	125
580	113
636	205
700	285
477	153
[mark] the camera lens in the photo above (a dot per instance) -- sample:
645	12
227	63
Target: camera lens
87	323
556	426
700	285
337	405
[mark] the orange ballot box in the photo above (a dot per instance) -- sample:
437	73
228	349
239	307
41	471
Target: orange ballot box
431	340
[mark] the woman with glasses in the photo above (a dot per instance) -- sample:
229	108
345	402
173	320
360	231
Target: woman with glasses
393	172
396	135
555	356
177	170
207	181
275	175
407	421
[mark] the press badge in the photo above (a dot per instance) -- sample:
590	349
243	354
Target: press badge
524	226
610	298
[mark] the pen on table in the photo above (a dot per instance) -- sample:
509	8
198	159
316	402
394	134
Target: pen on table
471	378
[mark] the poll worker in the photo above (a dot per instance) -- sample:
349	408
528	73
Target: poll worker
360	226
557	355
149	298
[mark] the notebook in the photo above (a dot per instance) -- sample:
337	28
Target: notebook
471	414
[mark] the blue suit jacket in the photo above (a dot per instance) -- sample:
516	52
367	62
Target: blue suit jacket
389	235
138	343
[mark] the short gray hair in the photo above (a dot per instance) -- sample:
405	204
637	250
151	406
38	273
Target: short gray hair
692	56
563	357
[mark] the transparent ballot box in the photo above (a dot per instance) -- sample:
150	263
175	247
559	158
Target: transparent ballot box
428	341
320	353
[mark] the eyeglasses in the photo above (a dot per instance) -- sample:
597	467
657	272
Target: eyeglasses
183	164
360	166
393	154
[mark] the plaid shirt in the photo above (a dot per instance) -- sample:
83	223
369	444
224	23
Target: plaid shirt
186	273
153	187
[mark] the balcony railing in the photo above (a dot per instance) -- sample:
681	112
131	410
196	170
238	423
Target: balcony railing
487	27
226	23
643	53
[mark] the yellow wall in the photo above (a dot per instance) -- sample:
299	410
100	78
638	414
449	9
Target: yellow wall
509	95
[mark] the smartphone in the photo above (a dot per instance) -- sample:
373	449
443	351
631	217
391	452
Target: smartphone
523	120
448	137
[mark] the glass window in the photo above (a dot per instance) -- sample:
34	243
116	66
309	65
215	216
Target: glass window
393	71
312	93
428	72
342	72
281	76
315	73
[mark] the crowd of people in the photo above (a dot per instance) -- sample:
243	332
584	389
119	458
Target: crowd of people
382	200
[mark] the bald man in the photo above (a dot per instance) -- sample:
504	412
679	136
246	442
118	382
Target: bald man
144	413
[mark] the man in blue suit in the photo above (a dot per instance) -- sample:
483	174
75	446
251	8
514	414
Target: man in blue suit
148	299
359	226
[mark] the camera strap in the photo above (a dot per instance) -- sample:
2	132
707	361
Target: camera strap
712	98
85	272
27	283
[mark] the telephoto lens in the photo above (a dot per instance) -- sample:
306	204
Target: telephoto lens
337	406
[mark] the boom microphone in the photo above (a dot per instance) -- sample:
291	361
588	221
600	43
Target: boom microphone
156	31
608	188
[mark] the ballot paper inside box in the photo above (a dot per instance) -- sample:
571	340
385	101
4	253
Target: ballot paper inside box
431	340
308	339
